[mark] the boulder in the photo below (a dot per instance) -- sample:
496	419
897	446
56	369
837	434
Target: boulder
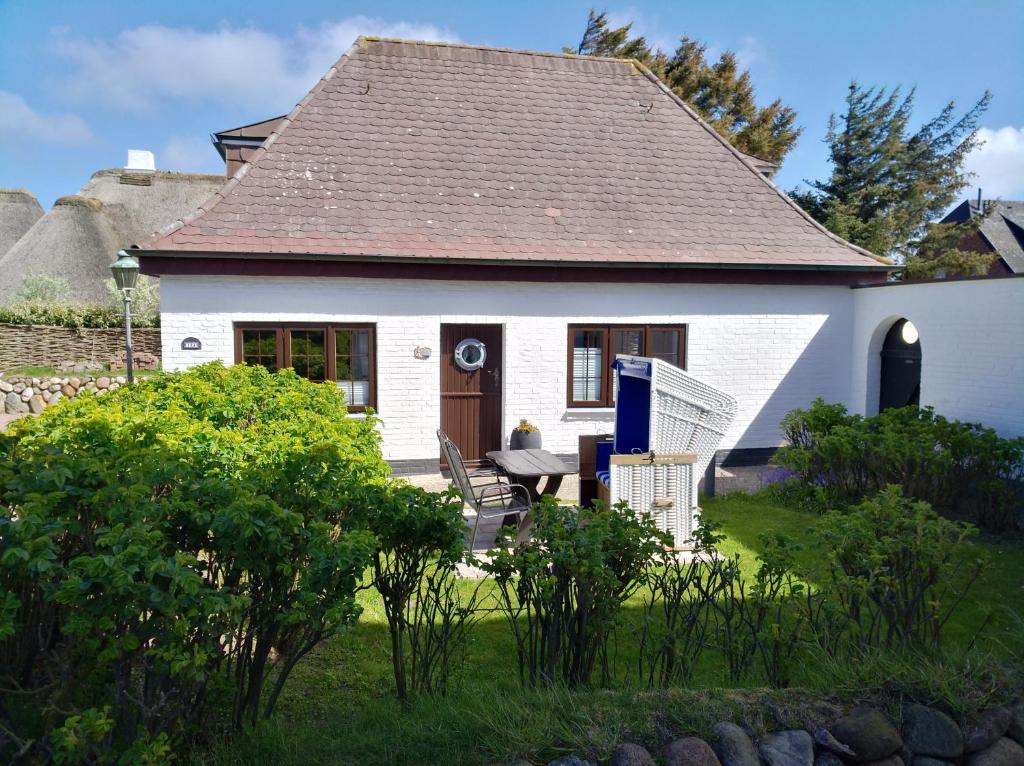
892	760
36	404
824	738
1016	730
54	398
103	382
690	751
571	760
5	387
75	382
68	391
1004	752
630	754
732	745
927	731
825	758
18	387
924	760
990	726
13	404
787	748
27	393
868	733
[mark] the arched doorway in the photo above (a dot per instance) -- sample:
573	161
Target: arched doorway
900	384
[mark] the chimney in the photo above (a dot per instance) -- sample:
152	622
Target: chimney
980	208
140	161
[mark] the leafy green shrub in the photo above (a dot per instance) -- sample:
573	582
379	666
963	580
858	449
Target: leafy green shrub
44	299
898	569
562	591
419	540
177	542
961	468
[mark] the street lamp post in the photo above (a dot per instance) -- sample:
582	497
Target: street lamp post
126	274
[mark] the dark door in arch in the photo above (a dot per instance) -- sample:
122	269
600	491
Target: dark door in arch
901	368
471	400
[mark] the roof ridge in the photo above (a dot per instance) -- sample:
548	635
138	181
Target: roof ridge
496	49
742	157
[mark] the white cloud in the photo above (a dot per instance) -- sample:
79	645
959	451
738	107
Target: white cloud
998	163
641	24
19	121
143	67
749	52
190	154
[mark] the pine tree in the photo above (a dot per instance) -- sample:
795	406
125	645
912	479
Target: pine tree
722	94
888	182
939	252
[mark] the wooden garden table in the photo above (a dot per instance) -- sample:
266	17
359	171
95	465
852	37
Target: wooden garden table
528	466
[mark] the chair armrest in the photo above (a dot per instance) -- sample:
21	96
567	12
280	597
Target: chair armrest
516	493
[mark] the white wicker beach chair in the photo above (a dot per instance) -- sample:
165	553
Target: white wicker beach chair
668	425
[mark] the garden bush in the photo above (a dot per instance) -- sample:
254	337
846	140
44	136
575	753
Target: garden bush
962	469
562	592
898	570
419	538
170	547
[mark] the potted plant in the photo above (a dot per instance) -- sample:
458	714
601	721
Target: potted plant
525	436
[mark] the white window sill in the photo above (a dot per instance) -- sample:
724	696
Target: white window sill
572	411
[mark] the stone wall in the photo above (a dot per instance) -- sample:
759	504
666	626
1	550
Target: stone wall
38	346
20	395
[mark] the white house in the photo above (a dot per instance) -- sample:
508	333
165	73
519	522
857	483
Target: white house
557	209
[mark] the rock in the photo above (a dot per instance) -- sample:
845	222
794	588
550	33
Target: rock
571	760
892	760
68	391
1004	752
924	760
121	379
13	404
46	396
54	387
54	398
1016	730
690	751
787	748
629	754
18	387
103	382
825	758
824	738
114	386
27	393
75	382
927	731
868	733
5	387
732	745
990	726
36	404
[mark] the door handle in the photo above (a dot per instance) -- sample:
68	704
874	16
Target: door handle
496	374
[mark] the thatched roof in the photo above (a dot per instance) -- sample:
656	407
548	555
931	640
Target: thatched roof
79	238
18	211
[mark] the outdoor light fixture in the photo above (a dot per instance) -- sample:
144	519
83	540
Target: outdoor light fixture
126	274
909	333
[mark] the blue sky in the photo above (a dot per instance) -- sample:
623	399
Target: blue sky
83	82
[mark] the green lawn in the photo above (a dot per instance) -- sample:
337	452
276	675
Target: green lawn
340	708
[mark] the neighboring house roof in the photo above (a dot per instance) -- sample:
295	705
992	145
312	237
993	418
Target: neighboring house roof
1002	228
79	237
18	211
458	153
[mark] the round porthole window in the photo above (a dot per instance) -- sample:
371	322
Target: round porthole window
470	354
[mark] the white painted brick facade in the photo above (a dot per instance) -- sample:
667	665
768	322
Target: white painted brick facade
972	347
774	347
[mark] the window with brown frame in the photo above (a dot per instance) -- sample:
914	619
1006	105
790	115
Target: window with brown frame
593	348
343	353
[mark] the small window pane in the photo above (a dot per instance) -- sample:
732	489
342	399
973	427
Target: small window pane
352	365
259	347
628	342
665	345
587	365
308	354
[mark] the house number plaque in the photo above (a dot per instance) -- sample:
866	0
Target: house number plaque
191	344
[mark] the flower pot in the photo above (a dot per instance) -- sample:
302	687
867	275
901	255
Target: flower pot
524	440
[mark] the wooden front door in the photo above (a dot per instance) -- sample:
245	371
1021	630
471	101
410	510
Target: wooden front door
471	400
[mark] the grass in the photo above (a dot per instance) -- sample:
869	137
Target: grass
340	707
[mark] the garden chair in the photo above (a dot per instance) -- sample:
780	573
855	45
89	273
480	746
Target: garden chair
493	499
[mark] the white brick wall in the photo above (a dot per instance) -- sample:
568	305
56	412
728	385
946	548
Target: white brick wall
972	347
774	347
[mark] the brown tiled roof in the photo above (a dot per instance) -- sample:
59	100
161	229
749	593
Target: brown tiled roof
422	150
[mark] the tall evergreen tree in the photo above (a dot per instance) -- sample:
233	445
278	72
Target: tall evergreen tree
719	91
887	181
939	253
